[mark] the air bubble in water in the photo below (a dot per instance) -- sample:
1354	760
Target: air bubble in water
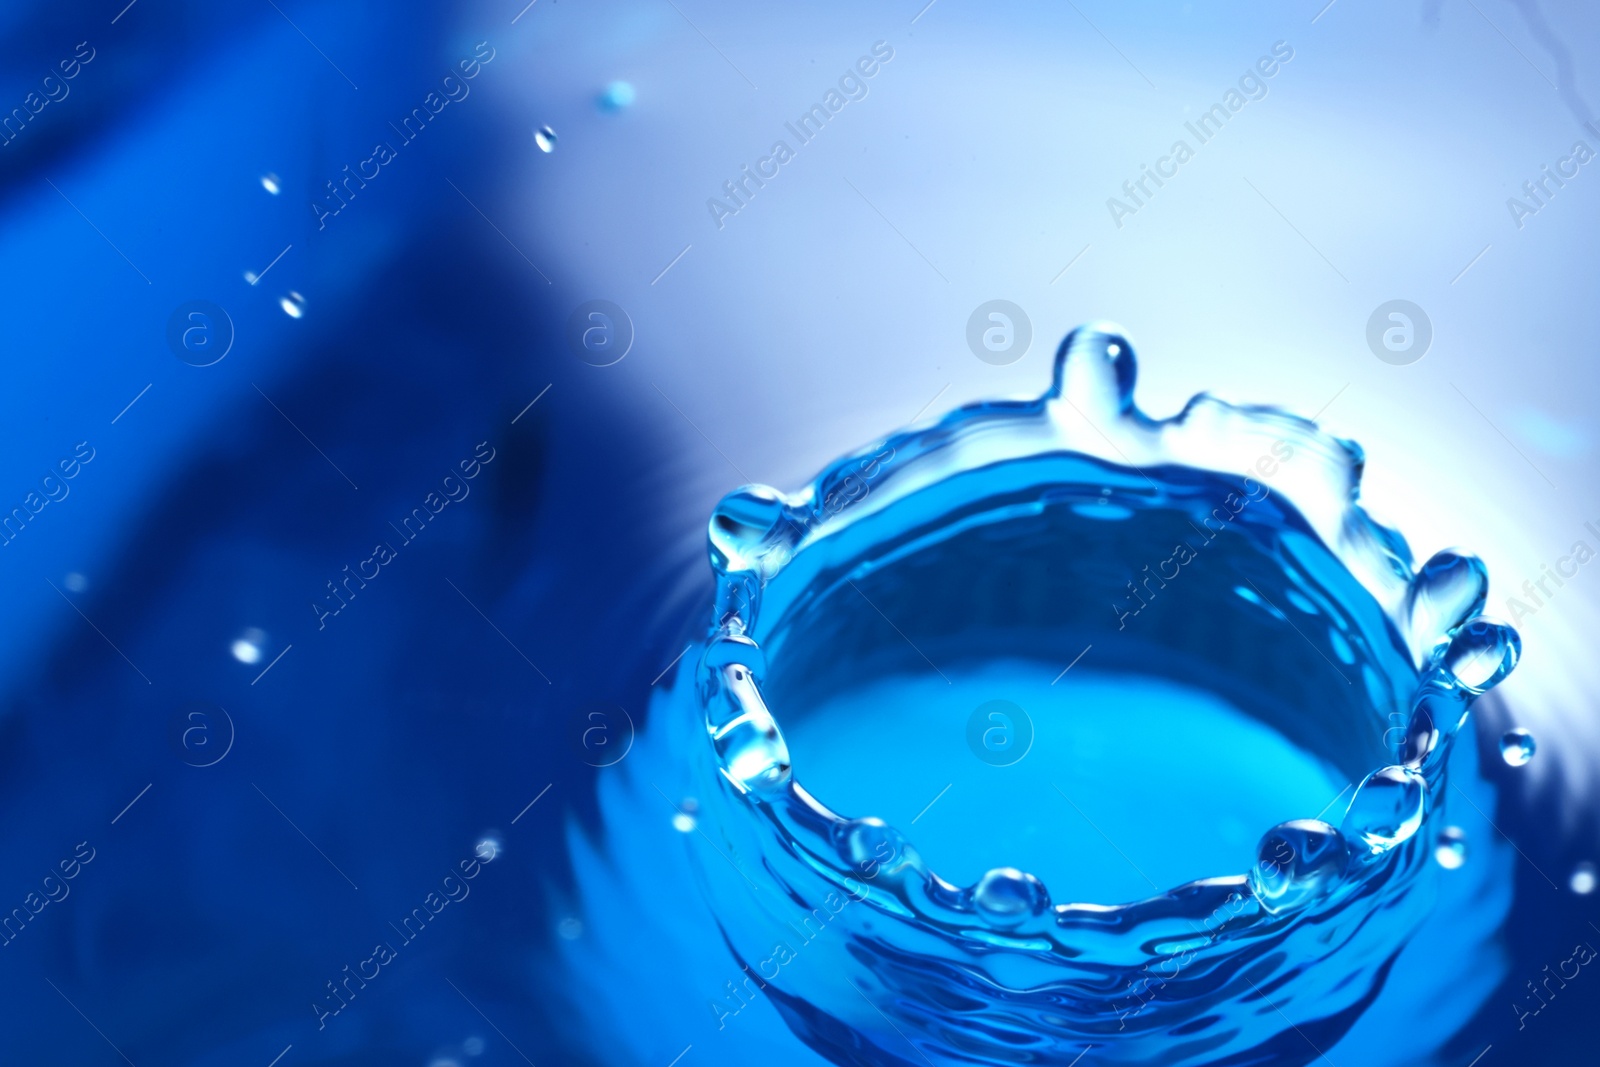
545	138
249	646
271	184
1451	852
1583	879
1517	747
294	305
1296	862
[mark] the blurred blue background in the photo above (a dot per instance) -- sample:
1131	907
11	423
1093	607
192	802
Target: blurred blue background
344	764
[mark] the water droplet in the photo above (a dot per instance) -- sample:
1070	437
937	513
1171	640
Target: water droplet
1517	747
569	928
1296	862
488	848
1583	879
617	95
1006	896
271	184
445	1062
1095	370
870	847
683	822
1482	653
294	305
1387	809
545	138
743	529
690	805
75	582
251	276
1450	588
1451	852
472	1046
249	646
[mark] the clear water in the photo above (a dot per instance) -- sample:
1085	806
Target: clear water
1211	814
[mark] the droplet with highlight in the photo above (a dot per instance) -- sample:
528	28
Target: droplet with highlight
249	646
1517	747
683	822
545	138
1006	896
473	1046
1583	879
488	849
75	582
272	184
1451	851
1482	653
1387	809
1296	862
294	305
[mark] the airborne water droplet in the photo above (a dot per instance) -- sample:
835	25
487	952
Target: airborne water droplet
1387	809
1583	879
294	305
1517	747
683	822
1451	852
617	96
545	138
271	184
488	849
249	646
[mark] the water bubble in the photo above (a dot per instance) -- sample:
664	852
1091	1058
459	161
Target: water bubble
545	138
249	646
488	849
1296	862
683	822
1583	879
1482	653
75	582
617	96
1006	896
1517	747
569	928
271	184
1387	809
251	276
1451	851
293	305
472	1046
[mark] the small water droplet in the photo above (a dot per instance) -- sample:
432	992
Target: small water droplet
617	95
545	138
1006	896
1296	862
1387	809
472	1046
1449	589
1584	879
249	646
75	582
1517	747
569	928
294	305
488	849
745	532
271	183
690	805
1451	852
683	822
251	277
